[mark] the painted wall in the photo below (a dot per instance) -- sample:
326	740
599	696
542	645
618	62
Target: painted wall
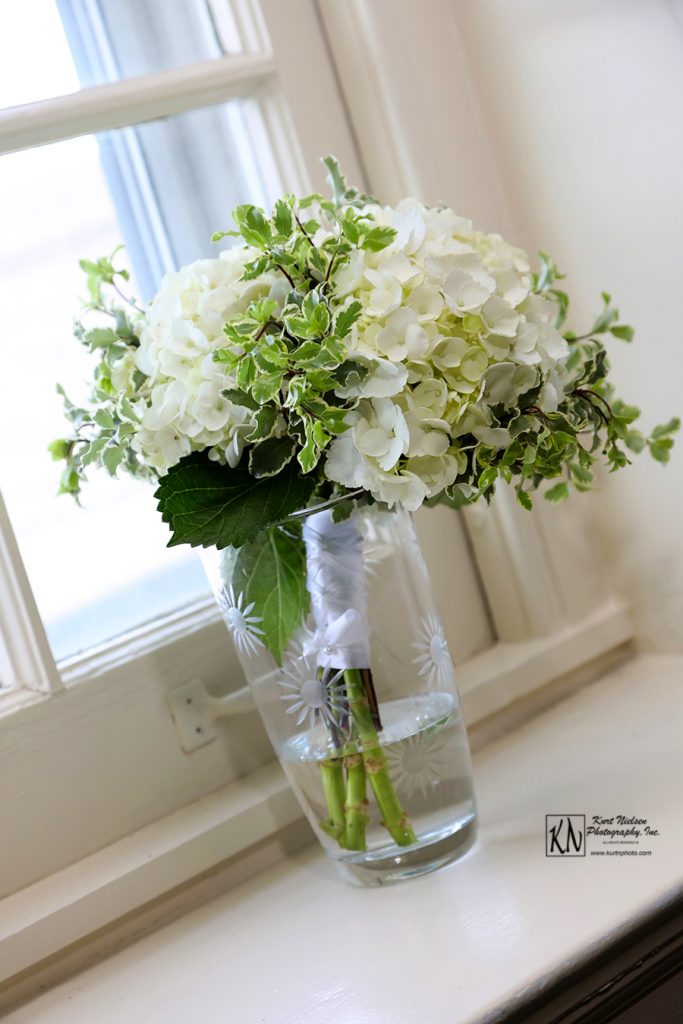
582	104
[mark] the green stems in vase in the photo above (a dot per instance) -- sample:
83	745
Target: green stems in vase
332	773
394	818
363	761
356	806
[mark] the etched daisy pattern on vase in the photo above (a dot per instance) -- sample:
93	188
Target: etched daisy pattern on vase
433	658
313	694
418	763
243	625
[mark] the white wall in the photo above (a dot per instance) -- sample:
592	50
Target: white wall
582	104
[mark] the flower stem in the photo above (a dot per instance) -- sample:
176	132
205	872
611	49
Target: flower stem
332	772
356	804
394	818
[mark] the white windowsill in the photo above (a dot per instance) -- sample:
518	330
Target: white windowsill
296	944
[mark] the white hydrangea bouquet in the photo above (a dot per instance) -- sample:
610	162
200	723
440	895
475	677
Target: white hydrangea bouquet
344	354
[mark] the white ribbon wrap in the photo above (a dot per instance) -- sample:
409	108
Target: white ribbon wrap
336	584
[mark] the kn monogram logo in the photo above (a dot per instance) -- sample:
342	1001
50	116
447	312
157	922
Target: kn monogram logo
565	835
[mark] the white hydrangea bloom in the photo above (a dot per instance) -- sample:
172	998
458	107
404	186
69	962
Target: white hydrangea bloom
368	455
450	330
186	410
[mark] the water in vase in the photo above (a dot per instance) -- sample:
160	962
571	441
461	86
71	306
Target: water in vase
426	754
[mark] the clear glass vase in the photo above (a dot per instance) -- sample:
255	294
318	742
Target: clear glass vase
363	709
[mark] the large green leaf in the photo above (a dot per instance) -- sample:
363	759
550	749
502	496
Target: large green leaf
210	505
271	572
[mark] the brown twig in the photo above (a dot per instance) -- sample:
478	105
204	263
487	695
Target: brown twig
303	230
288	276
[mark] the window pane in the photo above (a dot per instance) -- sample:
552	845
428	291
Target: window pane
113	39
102	570
52	47
35	60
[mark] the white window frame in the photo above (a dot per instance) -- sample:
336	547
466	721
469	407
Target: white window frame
542	630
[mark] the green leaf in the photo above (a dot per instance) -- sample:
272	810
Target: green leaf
524	499
321	318
111	458
488	478
336	179
93	451
271	572
343	511
59	449
561	424
218	236
254	269
664	429
625	413
246	371
520	424
211	505
378	238
557	493
126	410
88	267
635	441
266	418
240	397
310	304
240	329
350	229
308	352
282	218
317	262
350	374
103	418
562	300
661	449
308	456
453	496
101	337
335	420
607	316
266	387
252	225
623	331
69	482
262	310
547	274
344	321
123	327
268	457
299	327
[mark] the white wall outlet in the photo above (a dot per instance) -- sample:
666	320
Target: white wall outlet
195	712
